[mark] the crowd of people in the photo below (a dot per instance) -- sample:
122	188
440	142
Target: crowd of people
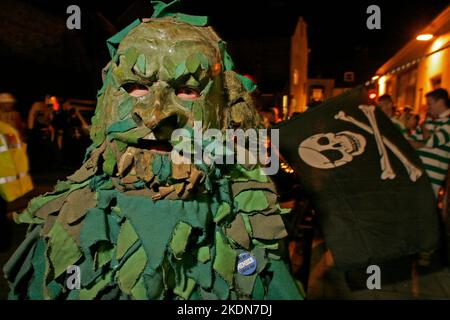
54	134
430	136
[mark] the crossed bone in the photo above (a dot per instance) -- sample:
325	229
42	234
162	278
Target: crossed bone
382	142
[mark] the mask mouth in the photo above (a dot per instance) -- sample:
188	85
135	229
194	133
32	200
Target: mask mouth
151	143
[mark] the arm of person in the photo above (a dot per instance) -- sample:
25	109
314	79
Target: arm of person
437	139
425	132
417	144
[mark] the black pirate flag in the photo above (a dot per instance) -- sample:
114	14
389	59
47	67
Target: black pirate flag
373	199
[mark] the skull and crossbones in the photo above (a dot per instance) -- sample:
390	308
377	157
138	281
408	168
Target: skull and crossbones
314	149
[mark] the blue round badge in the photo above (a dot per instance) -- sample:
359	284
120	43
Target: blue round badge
246	264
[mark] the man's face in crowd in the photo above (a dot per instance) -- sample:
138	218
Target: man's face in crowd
387	107
411	121
435	107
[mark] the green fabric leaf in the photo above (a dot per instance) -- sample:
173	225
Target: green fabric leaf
103	254
284	210
193	63
75	206
139	291
180	239
198	21
126	106
227	61
154	222
127	237
95	230
54	290
180	70
154	283
267	227
113	42
238	233
220	288
160	8
248	84
110	161
64	251
92	292
206	295
36	287
241	174
202	273
251	200
186	291
225	259
223	211
267	244
203	254
282	286
131	55
186	103
162	167
131	270
258	289
247	224
121	126
16	261
121	146
141	63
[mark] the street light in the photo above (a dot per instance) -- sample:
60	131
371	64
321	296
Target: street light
424	37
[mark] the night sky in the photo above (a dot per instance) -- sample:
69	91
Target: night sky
258	33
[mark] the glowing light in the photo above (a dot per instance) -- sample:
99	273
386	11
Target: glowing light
382	85
285	101
373	95
375	77
424	37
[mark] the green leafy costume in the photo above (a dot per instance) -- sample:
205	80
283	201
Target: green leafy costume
136	224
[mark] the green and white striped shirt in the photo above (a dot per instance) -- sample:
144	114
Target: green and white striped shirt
436	153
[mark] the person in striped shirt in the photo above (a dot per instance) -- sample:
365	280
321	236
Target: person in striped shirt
432	138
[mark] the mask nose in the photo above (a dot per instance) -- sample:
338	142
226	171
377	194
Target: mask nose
160	114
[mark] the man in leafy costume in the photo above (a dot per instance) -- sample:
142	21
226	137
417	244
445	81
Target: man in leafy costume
138	225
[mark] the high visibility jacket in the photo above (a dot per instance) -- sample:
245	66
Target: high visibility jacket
14	178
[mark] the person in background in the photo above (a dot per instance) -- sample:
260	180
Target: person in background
268	116
9	115
42	149
14	178
386	105
432	138
411	123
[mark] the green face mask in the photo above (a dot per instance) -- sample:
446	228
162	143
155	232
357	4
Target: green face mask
165	75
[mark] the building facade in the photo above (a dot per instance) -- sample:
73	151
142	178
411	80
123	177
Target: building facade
299	68
419	67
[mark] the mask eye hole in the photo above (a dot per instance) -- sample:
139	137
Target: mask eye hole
323	141
187	93
135	89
